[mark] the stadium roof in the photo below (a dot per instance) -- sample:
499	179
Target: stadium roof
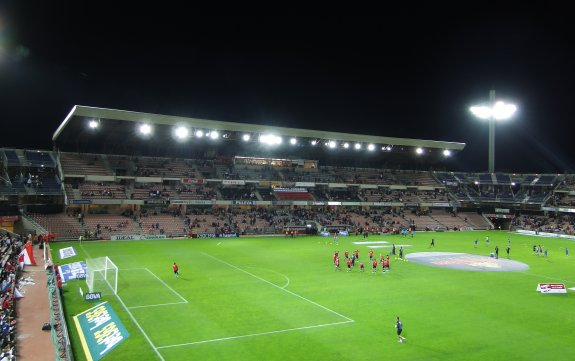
118	132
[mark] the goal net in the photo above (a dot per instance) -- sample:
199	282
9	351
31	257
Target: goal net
102	275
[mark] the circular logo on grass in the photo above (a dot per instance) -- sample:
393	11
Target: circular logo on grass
468	262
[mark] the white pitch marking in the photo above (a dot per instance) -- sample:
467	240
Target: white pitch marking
132	317
257	334
283	289
277	273
141	329
165	284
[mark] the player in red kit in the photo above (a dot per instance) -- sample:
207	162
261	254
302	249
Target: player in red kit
176	270
361	268
337	264
346	255
374	267
357	254
348	264
371	255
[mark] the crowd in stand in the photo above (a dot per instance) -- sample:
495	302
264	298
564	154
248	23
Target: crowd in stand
10	247
559	224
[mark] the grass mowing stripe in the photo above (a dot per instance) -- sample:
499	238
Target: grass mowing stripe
279	287
257	334
132	316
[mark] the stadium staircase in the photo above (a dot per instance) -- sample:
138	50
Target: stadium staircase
21	157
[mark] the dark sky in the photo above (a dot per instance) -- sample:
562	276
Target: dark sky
407	74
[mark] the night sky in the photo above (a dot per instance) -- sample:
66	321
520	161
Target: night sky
410	74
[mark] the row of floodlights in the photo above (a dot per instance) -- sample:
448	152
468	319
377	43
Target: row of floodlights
182	133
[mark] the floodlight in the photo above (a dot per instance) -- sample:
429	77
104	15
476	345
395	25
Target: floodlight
357	146
270	139
371	147
199	133
146	129
181	132
346	145
293	141
446	152
419	150
94	123
313	142
246	137
332	144
214	134
495	110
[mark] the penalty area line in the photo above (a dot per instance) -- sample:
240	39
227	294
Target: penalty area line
280	287
256	334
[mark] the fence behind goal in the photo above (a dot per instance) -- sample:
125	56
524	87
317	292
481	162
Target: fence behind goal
102	275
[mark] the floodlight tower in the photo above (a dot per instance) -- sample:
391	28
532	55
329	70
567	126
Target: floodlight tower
495	110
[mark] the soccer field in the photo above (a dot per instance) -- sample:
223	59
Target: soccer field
276	298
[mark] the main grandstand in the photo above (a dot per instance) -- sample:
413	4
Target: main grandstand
116	175
224	177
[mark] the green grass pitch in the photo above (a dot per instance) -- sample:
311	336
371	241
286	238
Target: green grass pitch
276	298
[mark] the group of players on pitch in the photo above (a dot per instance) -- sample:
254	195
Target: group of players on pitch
350	261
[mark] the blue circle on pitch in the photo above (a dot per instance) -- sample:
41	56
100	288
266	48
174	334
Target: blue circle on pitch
467	262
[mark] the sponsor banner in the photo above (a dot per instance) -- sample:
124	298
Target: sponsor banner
237	182
411	204
291	190
502	210
156	201
100	330
67	252
193	180
93	296
136	237
558	209
192	201
551	288
334	203
72	271
337	185
368	186
315	203
81	201
339	233
9	218
217	235
287	184
244	203
382	204
451	183
305	184
441	204
299	203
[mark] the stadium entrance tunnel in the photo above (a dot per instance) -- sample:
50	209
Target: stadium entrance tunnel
467	262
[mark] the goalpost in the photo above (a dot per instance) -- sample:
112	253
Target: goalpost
102	275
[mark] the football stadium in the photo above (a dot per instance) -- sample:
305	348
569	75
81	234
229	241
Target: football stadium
172	238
